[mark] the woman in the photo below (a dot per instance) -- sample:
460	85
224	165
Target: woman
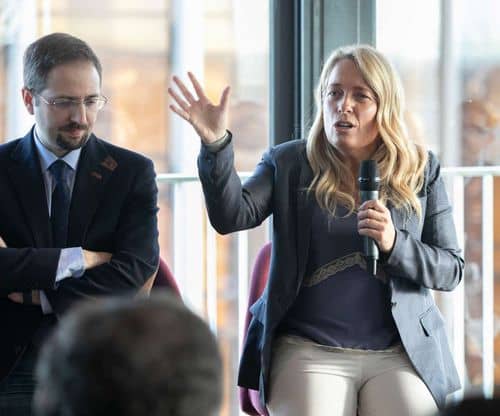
327	338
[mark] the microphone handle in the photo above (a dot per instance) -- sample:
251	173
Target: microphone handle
368	195
370	248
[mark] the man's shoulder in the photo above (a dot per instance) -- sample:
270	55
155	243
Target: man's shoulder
8	149
121	154
8	146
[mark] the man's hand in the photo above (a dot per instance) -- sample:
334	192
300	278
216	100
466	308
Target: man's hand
91	259
95	258
28	298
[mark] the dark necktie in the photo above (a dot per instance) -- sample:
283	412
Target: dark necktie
60	203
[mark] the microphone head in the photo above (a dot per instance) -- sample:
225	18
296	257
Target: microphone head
369	177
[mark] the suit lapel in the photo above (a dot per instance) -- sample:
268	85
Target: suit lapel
396	217
26	175
95	167
304	200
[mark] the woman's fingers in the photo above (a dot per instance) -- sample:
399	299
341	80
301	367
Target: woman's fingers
197	87
181	113
224	98
208	120
370	216
373	209
371	224
374	221
185	92
373	204
180	102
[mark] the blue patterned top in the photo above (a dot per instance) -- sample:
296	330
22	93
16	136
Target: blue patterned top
340	304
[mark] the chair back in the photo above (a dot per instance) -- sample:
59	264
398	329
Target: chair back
249	398
165	279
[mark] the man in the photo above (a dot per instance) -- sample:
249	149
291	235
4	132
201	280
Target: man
78	215
117	357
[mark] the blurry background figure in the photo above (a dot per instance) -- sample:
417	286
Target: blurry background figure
492	87
478	133
478	136
128	357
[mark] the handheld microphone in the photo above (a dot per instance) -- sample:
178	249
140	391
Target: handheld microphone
369	182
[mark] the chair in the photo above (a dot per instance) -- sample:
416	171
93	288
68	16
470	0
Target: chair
165	279
249	398
161	279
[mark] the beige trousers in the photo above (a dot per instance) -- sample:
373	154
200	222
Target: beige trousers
309	379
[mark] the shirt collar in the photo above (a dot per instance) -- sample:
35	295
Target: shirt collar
47	157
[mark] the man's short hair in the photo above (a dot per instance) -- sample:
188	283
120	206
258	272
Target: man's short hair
50	51
130	357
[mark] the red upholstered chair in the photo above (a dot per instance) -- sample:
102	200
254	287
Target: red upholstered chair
249	399
165	279
161	279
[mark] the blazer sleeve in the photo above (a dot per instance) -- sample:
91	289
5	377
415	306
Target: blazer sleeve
136	254
231	205
27	268
434	260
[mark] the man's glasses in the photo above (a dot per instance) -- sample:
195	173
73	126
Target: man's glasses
91	104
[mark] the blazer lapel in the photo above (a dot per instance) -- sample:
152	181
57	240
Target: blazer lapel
26	175
95	167
304	200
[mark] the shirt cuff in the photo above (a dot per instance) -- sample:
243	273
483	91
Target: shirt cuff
214	147
71	263
44	303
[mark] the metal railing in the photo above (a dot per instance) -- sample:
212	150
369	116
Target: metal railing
210	308
456	184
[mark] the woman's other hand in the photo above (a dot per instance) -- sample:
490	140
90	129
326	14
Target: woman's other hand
208	120
374	221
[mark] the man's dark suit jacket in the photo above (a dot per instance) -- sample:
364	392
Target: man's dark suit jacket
425	256
113	209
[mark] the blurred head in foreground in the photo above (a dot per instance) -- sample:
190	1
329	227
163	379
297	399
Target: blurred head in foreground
130	357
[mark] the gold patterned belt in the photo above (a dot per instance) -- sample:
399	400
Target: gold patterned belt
338	265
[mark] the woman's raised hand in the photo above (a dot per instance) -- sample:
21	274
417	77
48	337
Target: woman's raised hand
208	120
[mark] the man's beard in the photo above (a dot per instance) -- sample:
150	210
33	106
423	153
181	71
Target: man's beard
72	144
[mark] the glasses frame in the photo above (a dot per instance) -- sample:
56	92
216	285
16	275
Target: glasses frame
53	103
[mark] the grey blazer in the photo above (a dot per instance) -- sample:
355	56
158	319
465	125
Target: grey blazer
425	256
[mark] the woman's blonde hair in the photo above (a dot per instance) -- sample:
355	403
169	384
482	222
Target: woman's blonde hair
401	161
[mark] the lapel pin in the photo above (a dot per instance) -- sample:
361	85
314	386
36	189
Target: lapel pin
96	175
109	163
